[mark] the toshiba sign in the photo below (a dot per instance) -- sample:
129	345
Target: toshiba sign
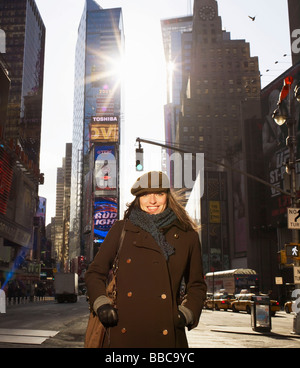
107	119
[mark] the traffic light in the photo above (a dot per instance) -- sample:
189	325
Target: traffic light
139	159
292	250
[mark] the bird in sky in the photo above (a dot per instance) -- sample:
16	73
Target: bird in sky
252	18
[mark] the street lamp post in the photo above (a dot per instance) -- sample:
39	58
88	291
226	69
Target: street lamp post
282	115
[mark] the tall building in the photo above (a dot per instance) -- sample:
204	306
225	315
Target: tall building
25	46
96	128
175	50
58	242
22	43
62	210
222	75
220	83
178	56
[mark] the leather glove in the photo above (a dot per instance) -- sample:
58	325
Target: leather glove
108	315
182	320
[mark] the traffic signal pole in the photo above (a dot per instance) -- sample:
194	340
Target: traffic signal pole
174	148
291	142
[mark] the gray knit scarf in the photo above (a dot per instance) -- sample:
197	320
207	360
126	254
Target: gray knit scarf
153	224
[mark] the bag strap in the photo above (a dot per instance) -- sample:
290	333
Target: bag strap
116	260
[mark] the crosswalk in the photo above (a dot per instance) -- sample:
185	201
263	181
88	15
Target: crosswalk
25	336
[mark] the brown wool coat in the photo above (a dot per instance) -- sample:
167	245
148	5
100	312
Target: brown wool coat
148	286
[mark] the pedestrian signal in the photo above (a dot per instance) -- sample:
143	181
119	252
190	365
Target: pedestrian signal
292	250
139	159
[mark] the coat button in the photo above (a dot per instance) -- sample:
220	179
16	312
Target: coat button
129	294
165	332
128	260
176	236
163	296
123	330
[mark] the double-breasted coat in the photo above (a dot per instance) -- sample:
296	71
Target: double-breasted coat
148	286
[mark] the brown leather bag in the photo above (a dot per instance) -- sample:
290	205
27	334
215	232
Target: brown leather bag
95	332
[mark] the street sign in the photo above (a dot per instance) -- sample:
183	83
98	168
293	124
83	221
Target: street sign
293	217
296	275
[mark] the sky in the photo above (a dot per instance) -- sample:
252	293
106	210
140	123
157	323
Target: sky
144	77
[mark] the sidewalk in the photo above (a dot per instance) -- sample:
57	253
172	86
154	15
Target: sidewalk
218	330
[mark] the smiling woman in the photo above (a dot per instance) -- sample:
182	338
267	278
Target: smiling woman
160	253
153	203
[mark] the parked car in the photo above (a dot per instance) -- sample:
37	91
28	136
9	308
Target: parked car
243	303
275	307
218	302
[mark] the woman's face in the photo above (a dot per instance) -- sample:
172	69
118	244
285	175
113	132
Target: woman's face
153	203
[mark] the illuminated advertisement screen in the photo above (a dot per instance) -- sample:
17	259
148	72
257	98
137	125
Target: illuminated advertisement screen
105	215
104	129
41	210
105	173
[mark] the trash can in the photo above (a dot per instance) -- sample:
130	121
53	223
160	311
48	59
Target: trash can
261	313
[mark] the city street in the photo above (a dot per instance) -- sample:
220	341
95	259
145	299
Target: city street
65	322
47	324
221	329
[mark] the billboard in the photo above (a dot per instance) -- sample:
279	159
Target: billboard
105	173
104	129
105	215
40	215
41	210
105	132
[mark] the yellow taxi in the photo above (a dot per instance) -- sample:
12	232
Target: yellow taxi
218	302
243	303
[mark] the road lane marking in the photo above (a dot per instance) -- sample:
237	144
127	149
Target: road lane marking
25	336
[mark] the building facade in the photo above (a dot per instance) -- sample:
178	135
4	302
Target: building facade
176	34
22	53
62	211
276	157
218	87
25	47
96	128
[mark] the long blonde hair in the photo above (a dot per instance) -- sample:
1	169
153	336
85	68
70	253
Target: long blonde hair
175	201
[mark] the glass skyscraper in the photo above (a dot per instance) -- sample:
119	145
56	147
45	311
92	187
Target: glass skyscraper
96	128
25	45
177	55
